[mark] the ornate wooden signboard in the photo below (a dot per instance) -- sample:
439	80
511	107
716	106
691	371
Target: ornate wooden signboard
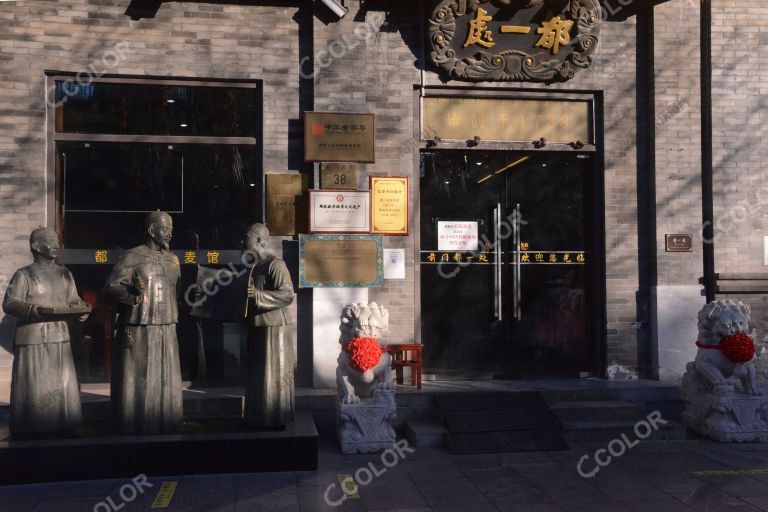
514	40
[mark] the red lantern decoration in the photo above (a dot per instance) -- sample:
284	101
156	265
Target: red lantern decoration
737	348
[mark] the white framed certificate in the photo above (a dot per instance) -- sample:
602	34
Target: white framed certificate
339	211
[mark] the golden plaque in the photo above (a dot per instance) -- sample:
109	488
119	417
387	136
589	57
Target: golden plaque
340	261
286	203
339	137
339	175
389	205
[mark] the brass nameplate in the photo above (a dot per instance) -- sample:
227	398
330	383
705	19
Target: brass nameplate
339	137
340	175
340	261
507	120
286	203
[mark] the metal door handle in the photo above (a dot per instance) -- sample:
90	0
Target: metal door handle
497	285
517	293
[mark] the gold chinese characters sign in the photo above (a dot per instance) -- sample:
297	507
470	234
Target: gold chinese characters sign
339	137
523	41
507	119
286	203
389	205
340	261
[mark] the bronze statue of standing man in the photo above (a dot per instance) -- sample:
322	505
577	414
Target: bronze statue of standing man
269	393
45	396
146	383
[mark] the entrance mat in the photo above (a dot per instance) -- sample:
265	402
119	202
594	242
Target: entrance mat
455	402
502	421
466	443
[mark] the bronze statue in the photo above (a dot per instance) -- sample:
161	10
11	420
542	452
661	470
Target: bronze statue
146	382
269	393
45	396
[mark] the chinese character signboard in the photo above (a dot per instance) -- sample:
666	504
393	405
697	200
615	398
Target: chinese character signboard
339	175
339	211
507	119
389	205
286	203
338	137
339	261
523	41
679	243
457	235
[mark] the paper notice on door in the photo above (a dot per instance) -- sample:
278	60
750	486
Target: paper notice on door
457	235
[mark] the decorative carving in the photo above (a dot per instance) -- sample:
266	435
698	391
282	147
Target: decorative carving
515	65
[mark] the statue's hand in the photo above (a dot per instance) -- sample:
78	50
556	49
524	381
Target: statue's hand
137	285
252	292
83	317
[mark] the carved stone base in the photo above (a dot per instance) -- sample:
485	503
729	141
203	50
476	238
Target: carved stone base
367	426
735	418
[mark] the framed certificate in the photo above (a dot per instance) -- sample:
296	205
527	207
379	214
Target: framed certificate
389	205
340	261
339	211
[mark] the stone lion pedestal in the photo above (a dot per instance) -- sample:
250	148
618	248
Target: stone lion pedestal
366	404
723	401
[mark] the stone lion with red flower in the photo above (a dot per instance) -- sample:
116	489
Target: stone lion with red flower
726	349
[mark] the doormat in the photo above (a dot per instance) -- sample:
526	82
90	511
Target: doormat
499	422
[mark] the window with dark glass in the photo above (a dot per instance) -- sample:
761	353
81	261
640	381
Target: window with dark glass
124	148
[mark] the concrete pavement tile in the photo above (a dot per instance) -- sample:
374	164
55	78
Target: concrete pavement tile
667	504
392	498
739	485
284	501
712	499
312	499
761	503
606	505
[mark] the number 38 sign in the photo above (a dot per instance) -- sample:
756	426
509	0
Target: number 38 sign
339	176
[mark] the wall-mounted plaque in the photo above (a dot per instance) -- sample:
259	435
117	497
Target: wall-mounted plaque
389	205
679	243
339	261
339	211
340	175
526	41
510	119
339	137
286	203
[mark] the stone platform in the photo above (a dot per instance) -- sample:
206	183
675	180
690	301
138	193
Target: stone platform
203	448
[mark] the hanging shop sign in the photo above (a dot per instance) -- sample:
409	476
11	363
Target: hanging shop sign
340	261
339	211
508	119
339	137
389	205
339	175
286	203
514	41
460	235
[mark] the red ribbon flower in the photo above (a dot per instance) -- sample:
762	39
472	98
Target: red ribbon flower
738	348
364	353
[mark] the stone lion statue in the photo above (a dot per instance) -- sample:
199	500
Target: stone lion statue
362	321
712	370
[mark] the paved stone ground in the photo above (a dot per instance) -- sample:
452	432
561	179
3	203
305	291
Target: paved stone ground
653	477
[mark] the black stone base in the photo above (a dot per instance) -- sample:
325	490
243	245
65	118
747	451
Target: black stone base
209	449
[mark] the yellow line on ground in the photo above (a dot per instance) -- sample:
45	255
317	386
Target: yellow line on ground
348	486
165	495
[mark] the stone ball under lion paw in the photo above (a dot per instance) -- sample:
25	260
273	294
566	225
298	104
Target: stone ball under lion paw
368	376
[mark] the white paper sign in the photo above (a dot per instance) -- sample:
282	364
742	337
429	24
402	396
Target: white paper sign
394	263
459	235
340	211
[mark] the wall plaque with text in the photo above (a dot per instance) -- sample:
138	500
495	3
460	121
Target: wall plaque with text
339	211
340	175
679	243
509	119
286	203
339	137
389	205
340	261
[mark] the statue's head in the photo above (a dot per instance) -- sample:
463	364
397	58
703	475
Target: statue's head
256	241
44	242
159	229
722	318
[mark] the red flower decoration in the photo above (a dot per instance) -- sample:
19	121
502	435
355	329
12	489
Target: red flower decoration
738	348
364	353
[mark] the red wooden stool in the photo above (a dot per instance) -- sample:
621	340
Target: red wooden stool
407	354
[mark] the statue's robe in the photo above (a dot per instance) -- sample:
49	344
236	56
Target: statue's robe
146	379
269	394
44	392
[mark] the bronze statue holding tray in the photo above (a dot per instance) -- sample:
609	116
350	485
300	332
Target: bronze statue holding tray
45	396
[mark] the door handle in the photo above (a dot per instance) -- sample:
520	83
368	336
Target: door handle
517	273
498	306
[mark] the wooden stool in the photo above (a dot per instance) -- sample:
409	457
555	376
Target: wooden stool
407	354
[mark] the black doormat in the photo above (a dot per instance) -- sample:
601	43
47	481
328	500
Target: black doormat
455	402
467	443
499	422
502	421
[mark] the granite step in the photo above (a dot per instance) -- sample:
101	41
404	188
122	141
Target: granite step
613	429
594	410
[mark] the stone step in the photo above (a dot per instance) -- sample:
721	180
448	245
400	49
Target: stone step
595	410
607	430
425	433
